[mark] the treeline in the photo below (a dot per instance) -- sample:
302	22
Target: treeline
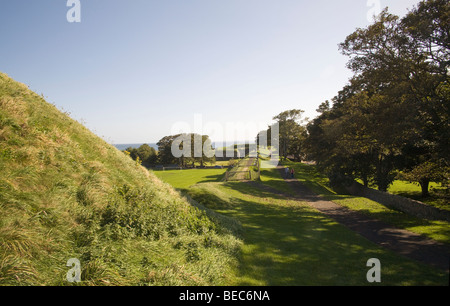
199	151
392	119
235	151
194	147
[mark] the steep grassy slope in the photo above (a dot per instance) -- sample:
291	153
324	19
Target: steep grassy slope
65	193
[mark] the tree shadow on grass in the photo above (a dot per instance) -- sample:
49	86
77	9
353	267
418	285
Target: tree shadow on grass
289	243
212	178
351	247
436	230
295	245
297	191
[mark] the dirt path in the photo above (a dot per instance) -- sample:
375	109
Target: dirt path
243	168
403	242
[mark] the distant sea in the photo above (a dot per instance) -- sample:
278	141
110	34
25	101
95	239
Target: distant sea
122	147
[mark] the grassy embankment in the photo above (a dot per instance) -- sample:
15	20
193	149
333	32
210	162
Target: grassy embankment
65	193
288	243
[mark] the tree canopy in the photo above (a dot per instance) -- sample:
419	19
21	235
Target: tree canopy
145	154
393	116
291	134
192	148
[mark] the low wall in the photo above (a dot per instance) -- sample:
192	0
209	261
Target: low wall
403	204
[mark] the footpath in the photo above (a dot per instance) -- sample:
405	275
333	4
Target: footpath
401	241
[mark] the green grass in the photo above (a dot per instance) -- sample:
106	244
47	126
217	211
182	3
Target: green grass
244	170
272	178
289	243
65	193
224	163
183	179
437	230
413	191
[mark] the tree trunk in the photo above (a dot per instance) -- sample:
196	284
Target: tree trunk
424	184
365	181
383	170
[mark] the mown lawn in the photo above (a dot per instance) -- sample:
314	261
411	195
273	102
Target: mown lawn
287	243
183	179
273	178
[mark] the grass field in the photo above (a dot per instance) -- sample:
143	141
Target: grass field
273	179
289	243
183	179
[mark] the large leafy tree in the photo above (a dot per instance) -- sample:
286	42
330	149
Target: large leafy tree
194	148
201	149
394	114
165	155
291	133
291	136
146	154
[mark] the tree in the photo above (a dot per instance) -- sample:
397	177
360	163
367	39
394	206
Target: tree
402	66
423	174
148	155
165	155
145	154
324	107
296	142
292	133
205	152
194	148
338	139
132	152
428	26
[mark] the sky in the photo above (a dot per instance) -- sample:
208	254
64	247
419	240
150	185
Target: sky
136	71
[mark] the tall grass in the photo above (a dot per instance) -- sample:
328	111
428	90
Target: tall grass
65	193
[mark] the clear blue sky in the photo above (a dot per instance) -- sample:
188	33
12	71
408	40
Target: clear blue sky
131	69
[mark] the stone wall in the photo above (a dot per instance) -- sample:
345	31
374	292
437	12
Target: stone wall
403	204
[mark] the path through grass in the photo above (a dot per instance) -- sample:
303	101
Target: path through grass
289	243
308	175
